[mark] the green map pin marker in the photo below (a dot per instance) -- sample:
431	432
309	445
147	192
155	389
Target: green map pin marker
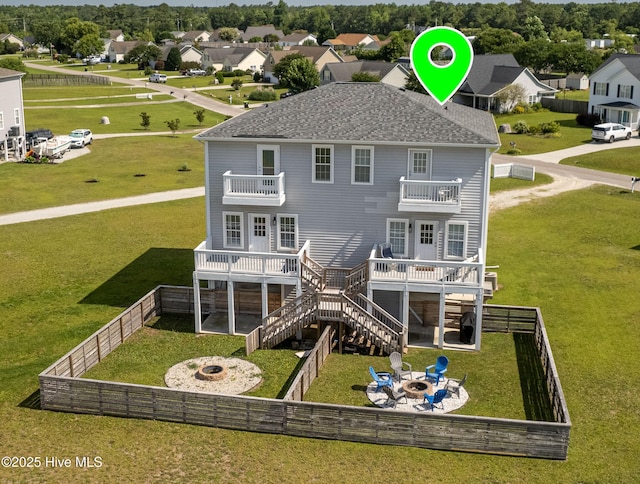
441	81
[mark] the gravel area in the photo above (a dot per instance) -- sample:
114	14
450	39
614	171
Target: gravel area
242	376
449	404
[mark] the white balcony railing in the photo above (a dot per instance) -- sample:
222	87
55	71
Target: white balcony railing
430	196
248	264
467	272
262	190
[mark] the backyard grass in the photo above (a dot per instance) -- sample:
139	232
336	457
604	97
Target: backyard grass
625	161
574	255
574	95
114	162
99	101
53	93
570	134
502	184
124	119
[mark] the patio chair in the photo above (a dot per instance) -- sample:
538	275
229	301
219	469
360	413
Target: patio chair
382	379
438	369
433	400
397	364
385	251
454	386
394	396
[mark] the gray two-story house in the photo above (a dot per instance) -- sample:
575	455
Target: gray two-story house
367	200
12	141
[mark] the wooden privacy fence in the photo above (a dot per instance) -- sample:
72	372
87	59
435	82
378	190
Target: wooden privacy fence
38	80
565	105
62	389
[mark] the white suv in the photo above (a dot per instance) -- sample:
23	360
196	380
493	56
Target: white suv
157	78
610	132
81	137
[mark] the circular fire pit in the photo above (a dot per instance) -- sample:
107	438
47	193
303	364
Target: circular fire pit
417	388
211	372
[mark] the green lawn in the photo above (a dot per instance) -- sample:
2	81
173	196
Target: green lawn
114	162
124	119
502	184
53	93
620	160
570	133
574	255
581	95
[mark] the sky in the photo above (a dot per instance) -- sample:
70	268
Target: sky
219	3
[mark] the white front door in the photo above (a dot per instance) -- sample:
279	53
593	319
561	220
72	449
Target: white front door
426	240
268	159
259	232
419	166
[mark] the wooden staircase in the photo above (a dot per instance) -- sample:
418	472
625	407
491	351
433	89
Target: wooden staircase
346	305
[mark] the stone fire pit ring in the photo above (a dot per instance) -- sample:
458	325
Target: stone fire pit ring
214	374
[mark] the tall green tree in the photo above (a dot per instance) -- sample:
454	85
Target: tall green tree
497	41
73	30
297	73
90	44
142	54
174	60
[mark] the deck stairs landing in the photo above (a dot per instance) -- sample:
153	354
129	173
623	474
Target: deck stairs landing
345	304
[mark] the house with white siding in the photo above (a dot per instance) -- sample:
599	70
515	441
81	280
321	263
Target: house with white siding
12	131
615	90
352	202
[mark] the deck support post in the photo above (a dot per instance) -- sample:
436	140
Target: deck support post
197	310
265	299
231	308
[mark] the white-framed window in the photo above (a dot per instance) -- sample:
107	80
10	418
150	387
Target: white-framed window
625	92
456	240
233	232
533	98
322	156
16	116
600	88
419	164
287	231
398	236
362	165
1	120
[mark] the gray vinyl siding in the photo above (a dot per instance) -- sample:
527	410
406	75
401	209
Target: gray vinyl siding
344	221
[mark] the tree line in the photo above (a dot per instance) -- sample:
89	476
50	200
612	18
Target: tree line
326	21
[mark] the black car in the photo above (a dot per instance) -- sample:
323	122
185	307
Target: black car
33	135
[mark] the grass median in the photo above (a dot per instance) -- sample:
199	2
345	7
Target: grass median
619	160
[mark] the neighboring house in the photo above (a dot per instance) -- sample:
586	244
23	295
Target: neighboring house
488	78
351	41
598	43
318	54
116	35
117	50
12	39
12	130
194	36
231	58
577	81
188	53
260	31
331	174
615	90
391	74
297	38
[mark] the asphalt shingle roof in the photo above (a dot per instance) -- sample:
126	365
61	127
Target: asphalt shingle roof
362	112
6	73
490	73
630	61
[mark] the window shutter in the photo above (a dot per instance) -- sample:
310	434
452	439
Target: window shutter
618	95
594	87
631	92
607	93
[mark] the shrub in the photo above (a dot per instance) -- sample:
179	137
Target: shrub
236	83
536	106
239	73
220	77
227	74
63	58
520	127
588	120
534	129
257	77
518	109
514	151
263	95
160	65
148	71
546	128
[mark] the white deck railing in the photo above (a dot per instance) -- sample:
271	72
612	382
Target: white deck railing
253	189
423	195
248	263
467	272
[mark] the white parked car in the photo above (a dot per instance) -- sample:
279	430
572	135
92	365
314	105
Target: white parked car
157	78
610	132
80	138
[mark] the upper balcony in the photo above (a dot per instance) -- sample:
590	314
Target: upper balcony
430	196
261	190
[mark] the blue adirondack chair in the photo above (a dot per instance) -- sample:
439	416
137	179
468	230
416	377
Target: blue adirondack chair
382	379
433	400
438	369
